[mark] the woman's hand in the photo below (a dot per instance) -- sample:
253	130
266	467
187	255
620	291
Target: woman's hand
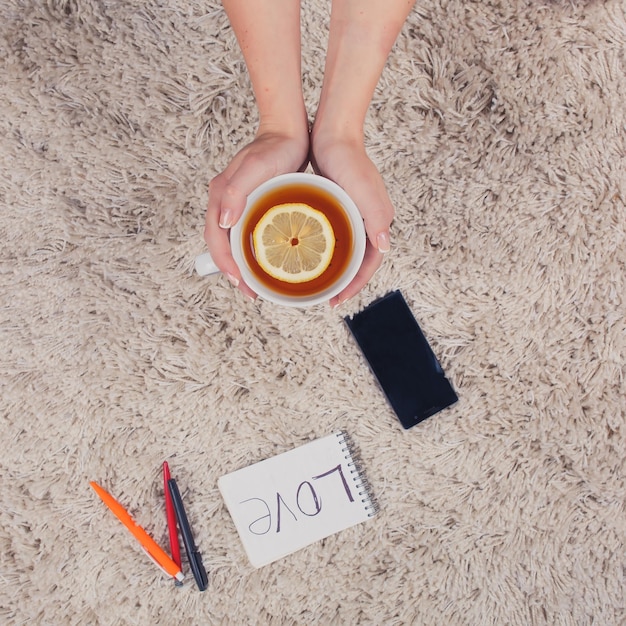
270	154
346	162
268	32
362	33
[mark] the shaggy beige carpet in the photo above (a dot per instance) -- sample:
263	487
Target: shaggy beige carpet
499	128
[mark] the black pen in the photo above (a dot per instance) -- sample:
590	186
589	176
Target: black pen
195	559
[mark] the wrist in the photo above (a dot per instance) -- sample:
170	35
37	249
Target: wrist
330	129
341	115
290	121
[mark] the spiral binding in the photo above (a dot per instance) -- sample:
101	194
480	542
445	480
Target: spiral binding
364	488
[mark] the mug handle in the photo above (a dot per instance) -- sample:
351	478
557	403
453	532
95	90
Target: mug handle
205	265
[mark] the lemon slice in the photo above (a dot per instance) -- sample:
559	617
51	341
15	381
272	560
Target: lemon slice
293	242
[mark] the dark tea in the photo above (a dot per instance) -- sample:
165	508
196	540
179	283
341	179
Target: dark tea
339	220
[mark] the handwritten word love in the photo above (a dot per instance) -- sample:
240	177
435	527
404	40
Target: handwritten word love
307	501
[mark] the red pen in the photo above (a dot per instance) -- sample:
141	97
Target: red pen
171	518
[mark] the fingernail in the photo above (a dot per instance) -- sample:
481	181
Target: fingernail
226	218
233	279
251	298
382	242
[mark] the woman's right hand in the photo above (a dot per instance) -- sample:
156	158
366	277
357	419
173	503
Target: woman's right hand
270	154
346	162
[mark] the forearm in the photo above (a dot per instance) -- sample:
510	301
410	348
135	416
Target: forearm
362	33
268	32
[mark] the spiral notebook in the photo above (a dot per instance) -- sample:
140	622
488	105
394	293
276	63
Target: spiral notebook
291	500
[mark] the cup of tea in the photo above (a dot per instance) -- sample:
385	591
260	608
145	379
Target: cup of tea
275	218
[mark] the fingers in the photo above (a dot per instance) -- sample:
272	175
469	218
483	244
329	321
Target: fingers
371	262
377	224
354	171
216	237
370	195
246	172
228	193
218	242
375	206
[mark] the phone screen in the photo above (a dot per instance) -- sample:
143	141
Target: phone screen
401	359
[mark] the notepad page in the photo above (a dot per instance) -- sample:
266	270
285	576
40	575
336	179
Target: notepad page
291	500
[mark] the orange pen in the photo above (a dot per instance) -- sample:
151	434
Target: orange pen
148	544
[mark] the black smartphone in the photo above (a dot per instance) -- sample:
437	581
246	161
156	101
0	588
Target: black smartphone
401	359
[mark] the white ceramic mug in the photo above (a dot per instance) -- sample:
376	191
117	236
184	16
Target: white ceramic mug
205	264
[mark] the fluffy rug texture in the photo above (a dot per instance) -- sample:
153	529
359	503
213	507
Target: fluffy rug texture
499	128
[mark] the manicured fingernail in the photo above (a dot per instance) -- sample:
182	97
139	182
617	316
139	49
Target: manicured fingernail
225	218
233	279
382	242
